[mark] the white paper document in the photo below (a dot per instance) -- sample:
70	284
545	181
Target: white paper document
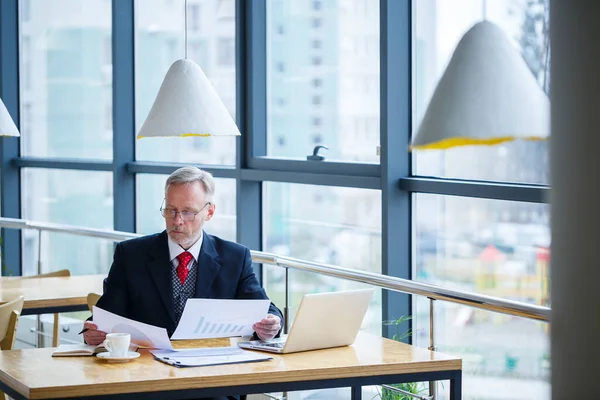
141	334
213	318
207	356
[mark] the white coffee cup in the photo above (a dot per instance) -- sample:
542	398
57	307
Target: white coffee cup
117	344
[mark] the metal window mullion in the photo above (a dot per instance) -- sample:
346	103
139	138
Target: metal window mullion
10	181
251	117
396	103
123	104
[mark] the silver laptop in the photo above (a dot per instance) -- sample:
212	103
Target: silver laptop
323	320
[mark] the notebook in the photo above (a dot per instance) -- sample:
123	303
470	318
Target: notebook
68	350
323	320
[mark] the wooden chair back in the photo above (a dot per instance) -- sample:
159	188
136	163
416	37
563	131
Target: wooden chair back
9	318
92	299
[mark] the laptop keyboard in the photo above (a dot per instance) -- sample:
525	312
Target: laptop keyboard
278	345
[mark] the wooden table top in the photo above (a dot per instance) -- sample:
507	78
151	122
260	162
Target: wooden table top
36	375
50	292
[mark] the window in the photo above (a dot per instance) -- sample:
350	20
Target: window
486	247
312	35
150	193
66	74
25	67
194	12
321	223
434	44
197	50
25	10
165	29
226	48
82	198
492	247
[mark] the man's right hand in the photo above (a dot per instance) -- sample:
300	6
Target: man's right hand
92	335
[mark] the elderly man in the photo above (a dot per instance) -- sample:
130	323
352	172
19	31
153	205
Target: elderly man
152	277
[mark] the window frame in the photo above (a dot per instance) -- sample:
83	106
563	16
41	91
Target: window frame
392	175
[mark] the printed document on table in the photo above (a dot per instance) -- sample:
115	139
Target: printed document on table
207	356
141	334
214	318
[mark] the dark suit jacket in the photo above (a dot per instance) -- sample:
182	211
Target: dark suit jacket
139	282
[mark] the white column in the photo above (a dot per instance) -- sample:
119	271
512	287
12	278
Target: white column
575	170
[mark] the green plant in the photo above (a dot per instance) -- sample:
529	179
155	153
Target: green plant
397	323
411	387
415	388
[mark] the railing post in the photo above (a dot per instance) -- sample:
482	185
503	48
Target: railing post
432	384
39	255
286	310
40	339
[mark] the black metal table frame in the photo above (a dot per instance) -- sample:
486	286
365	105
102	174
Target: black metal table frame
355	384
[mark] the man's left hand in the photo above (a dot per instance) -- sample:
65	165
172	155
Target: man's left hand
268	327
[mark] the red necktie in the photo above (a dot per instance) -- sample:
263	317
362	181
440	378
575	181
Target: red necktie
182	270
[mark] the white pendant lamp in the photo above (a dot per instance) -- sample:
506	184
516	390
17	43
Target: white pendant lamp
7	125
486	96
187	105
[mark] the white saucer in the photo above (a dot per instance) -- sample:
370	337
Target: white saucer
131	355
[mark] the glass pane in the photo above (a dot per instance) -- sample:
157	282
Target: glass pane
66	79
159	42
496	248
78	198
438	27
333	225
150	194
323	78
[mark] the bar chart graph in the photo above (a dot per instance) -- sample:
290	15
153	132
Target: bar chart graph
205	326
218	318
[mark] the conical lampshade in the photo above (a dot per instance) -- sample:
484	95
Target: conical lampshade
187	105
7	125
486	96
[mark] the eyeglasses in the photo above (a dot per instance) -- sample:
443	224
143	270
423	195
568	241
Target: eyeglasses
188	216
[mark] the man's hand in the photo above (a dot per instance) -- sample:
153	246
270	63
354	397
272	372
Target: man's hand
268	327
92	335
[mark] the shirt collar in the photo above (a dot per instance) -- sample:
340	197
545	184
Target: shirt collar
175	249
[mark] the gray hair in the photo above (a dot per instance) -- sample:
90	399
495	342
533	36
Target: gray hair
187	175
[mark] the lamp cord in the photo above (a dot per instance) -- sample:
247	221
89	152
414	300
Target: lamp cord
185	26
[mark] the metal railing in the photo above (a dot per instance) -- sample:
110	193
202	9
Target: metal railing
432	292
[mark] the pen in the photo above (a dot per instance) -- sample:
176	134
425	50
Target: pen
83	330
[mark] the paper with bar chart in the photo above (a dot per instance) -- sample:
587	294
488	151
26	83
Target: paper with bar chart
214	318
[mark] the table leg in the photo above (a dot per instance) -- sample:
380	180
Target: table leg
456	386
356	392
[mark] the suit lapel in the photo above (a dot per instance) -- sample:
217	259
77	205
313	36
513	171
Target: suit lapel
159	268
208	267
